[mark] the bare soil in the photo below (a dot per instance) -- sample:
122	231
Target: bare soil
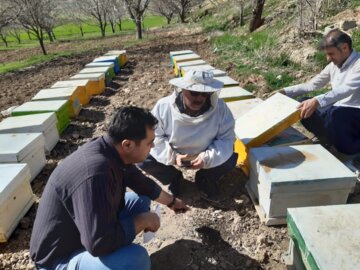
210	236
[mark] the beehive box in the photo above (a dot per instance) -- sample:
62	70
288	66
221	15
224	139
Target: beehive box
190	63
240	107
184	69
83	88
109	65
23	148
262	123
33	123
112	59
185	58
234	93
326	237
228	81
121	54
70	94
60	107
176	53
16	197
296	176
109	72
96	81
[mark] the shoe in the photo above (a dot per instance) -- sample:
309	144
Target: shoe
174	187
209	188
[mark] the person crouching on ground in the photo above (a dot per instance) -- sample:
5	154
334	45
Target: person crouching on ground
196	130
86	219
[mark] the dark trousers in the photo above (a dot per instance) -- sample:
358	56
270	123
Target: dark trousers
167	173
339	126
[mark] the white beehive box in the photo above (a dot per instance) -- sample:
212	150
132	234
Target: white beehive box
326	237
239	107
216	72
100	64
297	176
227	81
23	148
16	197
190	63
185	57
33	123
234	93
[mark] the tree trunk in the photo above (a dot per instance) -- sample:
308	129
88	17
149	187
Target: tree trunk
256	20
3	38
119	24
112	27
102	31
138	29
168	20
41	41
81	30
29	35
242	14
53	34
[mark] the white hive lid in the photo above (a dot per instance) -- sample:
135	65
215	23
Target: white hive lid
70	83
54	93
198	67
119	52
94	70
240	107
100	64
89	76
105	58
227	80
286	168
173	53
28	123
263	118
236	91
191	64
11	177
15	146
46	105
331	234
185	57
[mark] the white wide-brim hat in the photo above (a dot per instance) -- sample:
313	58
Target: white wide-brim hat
199	81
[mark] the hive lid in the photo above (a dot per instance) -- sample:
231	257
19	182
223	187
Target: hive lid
240	107
14	147
12	174
54	94
100	64
235	92
106	58
289	168
28	123
89	76
190	63
40	106
174	53
185	57
94	70
119	52
227	80
70	83
198	67
328	236
258	123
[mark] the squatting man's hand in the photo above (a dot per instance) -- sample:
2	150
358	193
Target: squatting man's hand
308	107
189	162
179	206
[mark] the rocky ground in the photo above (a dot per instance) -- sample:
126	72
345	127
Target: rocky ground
210	236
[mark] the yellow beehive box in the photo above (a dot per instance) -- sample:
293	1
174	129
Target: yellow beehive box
234	93
121	55
82	86
16	197
96	81
67	93
216	72
190	63
262	123
185	58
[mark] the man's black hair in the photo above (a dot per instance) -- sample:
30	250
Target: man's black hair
131	123
335	38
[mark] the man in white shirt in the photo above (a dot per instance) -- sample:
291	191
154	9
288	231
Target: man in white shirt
334	117
195	130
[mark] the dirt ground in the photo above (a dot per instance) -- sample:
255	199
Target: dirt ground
226	236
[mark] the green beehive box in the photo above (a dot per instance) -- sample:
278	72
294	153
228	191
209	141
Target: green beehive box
121	54
109	72
60	107
102	64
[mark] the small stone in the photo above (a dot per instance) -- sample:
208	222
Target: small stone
75	135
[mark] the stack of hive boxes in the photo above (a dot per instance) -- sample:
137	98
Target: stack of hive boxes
34	129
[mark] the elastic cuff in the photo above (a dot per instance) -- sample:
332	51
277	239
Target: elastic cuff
129	229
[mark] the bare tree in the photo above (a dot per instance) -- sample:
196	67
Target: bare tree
97	9
257	19
183	7
136	10
4	34
15	31
34	16
6	17
166	8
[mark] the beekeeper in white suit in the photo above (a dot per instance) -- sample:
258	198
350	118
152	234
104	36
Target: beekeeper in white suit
195	130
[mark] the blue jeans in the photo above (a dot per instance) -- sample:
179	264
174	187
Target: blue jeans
131	257
339	126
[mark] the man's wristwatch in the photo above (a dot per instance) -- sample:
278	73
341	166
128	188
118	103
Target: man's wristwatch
171	204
